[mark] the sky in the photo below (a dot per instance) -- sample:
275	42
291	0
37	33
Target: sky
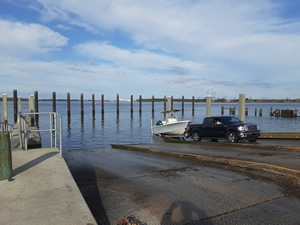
159	47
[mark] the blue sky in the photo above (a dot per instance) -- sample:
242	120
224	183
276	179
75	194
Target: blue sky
158	47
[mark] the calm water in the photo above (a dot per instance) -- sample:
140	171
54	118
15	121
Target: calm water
135	128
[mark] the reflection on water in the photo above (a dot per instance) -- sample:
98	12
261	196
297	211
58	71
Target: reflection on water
102	129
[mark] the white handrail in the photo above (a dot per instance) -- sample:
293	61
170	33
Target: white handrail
52	128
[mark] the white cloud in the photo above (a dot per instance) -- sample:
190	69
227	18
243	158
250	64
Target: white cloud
19	39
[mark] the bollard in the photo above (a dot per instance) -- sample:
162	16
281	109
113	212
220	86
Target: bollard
5	156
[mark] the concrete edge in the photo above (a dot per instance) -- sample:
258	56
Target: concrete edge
78	190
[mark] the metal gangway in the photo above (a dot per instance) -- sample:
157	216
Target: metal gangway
27	125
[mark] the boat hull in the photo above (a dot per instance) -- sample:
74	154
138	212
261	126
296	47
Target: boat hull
177	128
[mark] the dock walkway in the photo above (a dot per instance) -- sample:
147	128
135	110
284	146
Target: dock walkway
42	191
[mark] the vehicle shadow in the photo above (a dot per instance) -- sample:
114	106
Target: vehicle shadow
185	212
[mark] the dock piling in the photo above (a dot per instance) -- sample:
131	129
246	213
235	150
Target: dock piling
15	105
36	103
4	100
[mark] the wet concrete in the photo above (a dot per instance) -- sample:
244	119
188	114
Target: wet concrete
155	189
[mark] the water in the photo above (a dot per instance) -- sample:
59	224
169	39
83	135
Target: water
135	128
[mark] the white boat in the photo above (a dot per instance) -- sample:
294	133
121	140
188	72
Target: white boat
171	126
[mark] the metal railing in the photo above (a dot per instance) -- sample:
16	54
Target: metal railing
53	128
6	127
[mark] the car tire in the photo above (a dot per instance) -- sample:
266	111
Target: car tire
232	137
196	136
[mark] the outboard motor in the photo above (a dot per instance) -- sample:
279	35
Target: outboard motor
159	123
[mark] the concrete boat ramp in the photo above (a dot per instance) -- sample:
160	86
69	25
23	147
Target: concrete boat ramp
42	191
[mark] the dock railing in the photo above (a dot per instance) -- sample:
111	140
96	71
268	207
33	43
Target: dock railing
6	127
24	128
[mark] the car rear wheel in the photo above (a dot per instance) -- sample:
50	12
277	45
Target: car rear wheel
196	136
232	137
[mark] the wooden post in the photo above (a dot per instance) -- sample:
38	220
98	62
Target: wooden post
208	106
193	105
5	156
152	104
36	103
131	104
271	111
165	103
171	102
182	107
222	110
93	105
242	103
4	102
246	111
82	105
102	104
255	111
140	110
260	112
118	109
19	104
31	109
68	106
53	102
15	106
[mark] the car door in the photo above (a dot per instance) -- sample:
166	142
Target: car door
218	128
207	127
